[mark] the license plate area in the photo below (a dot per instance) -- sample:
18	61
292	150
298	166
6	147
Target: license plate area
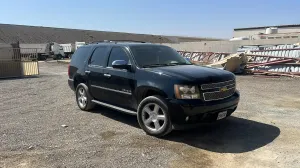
222	115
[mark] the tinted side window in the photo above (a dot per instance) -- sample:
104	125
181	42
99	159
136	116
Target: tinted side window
117	53
80	55
99	56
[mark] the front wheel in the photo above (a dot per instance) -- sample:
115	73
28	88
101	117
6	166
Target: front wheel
153	116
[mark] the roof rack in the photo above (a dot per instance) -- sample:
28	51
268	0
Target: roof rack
116	41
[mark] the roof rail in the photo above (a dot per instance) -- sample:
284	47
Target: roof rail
116	41
104	41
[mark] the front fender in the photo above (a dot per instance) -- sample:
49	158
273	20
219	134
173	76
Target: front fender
141	92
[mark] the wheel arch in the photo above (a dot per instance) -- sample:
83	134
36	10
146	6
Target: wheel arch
79	79
146	91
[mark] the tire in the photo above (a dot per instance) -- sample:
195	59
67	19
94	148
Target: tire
154	122
59	56
42	57
83	97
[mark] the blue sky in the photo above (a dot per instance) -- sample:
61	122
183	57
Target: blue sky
201	18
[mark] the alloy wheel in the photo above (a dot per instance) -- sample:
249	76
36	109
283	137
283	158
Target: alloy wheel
82	98
153	117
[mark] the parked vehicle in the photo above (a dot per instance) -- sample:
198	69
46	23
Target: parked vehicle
44	50
79	44
68	49
151	81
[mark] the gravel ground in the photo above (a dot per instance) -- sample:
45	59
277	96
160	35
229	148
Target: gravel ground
263	132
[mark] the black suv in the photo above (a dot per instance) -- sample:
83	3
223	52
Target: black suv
151	81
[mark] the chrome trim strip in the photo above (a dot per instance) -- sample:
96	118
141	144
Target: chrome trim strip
115	107
113	90
216	83
219	90
72	80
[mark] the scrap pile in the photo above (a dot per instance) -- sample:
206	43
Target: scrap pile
282	60
203	58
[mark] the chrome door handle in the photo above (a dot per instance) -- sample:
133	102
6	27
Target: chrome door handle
107	75
87	72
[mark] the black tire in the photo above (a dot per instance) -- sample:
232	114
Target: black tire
166	126
42	57
89	105
59	56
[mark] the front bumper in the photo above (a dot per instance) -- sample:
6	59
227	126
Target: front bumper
198	111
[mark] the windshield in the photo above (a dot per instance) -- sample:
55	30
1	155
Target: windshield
150	56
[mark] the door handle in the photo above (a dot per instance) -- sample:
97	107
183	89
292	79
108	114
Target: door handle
87	72
107	75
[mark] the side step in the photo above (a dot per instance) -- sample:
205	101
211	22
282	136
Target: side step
115	107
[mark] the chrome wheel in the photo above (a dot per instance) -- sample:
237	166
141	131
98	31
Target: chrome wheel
81	97
153	117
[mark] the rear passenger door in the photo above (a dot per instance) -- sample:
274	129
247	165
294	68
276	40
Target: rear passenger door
119	83
95	71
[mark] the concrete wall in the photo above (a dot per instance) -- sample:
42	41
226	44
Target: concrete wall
247	33
227	46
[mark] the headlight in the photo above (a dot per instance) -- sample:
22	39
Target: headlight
186	92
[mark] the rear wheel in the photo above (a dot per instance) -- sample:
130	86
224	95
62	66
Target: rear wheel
83	98
153	116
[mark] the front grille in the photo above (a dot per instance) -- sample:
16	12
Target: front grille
218	85
219	90
210	96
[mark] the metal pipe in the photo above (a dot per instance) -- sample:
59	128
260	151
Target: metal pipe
270	63
271	56
262	71
283	49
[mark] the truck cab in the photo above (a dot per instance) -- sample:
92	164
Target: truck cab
56	51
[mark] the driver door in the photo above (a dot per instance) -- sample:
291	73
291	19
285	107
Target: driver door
119	83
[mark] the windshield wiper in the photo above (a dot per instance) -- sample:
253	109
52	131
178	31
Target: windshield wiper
178	63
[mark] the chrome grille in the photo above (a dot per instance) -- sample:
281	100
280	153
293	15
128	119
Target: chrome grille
210	96
217	85
222	90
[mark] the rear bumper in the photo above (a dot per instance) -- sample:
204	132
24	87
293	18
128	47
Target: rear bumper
71	84
200	112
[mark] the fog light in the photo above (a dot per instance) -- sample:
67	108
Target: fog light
187	118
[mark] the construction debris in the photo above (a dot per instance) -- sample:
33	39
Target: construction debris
281	60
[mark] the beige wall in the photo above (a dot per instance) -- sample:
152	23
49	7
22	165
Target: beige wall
227	46
247	33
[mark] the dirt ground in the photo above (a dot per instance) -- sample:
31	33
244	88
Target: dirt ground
263	132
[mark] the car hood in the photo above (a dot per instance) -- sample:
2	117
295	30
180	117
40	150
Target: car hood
195	73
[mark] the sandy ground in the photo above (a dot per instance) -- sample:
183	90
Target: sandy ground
263	132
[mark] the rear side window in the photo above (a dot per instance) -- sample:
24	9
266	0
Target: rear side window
80	56
99	56
117	53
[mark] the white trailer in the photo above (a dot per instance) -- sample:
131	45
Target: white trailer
68	49
78	44
44	50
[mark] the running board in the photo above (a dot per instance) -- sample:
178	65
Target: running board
114	107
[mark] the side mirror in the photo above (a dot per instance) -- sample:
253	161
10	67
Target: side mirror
121	64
